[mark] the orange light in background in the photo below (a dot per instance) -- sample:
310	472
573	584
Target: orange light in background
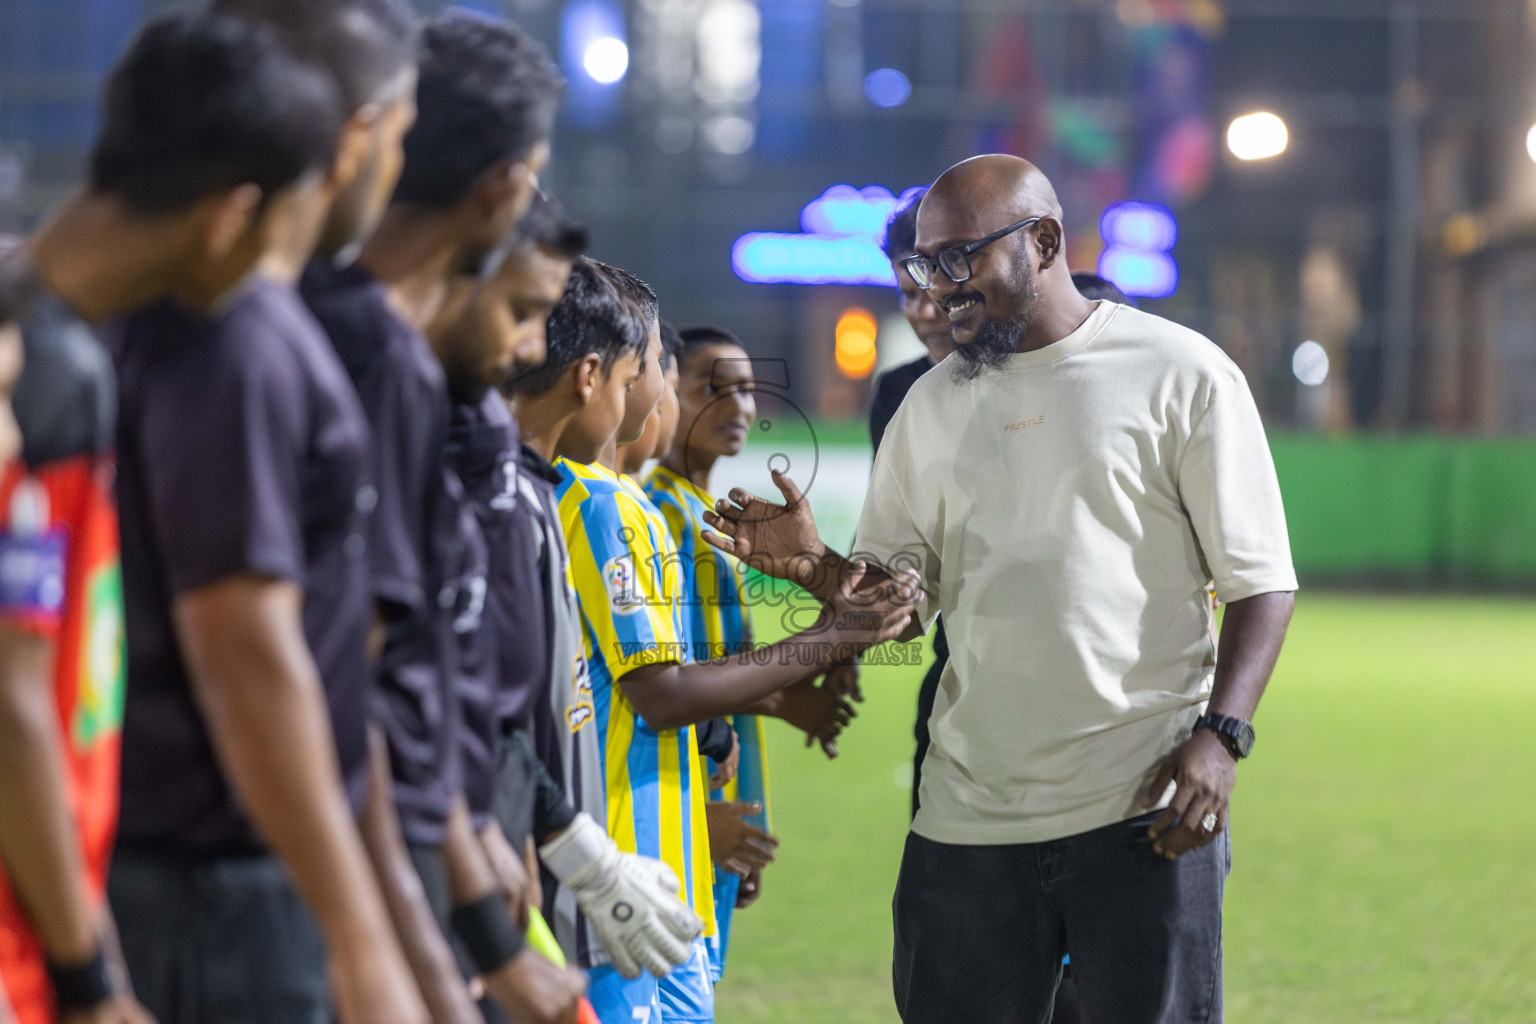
856	343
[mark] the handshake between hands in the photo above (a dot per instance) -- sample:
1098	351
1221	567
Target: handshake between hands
864	605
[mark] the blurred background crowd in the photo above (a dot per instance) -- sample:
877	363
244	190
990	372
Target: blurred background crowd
1384	209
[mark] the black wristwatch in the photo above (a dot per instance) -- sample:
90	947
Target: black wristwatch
1234	732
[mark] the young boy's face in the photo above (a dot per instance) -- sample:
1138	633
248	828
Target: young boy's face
643	396
666	413
715	404
10	372
603	410
656	439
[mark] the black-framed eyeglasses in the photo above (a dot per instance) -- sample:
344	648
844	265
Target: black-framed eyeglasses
956	260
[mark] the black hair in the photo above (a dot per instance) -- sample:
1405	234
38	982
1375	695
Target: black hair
487	92
20	285
595	316
363	44
201	104
637	293
1093	287
671	345
547	226
705	334
901	229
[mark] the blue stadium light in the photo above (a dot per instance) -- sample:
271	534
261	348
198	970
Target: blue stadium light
767	258
593	46
1144	227
1145	275
887	87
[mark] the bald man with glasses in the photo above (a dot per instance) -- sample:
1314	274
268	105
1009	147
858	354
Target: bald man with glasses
1065	485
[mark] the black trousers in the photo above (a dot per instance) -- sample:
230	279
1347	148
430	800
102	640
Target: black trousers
428	861
226	942
981	930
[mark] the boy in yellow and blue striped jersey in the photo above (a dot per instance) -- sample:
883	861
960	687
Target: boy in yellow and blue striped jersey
715	414
646	694
739	838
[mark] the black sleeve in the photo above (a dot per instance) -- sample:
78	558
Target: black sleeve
887	400
227	497
715	739
551	810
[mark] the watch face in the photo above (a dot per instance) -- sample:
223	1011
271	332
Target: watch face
1245	740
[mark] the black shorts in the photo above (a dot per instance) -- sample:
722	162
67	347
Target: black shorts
517	788
226	942
981	930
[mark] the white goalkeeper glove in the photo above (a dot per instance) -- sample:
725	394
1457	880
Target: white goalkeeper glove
630	900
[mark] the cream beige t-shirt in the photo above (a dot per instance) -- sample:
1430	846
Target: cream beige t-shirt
1067	511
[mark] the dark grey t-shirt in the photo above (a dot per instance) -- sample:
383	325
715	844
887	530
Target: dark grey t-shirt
241	449
483	451
426	558
565	739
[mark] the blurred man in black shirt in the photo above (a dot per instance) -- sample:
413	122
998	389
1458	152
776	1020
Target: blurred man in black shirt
932	328
928	322
240	882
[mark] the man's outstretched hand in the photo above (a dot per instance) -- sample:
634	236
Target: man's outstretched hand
867	608
776	540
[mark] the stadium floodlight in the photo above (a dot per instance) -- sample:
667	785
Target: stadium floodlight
606	60
1310	363
1257	136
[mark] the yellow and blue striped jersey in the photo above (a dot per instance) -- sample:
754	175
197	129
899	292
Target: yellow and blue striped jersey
625	571
719	618
719	624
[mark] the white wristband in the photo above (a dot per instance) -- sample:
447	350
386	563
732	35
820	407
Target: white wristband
582	844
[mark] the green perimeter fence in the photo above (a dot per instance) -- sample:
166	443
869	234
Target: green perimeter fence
1414	511
1411	510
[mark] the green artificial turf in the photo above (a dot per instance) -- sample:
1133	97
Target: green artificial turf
1384	833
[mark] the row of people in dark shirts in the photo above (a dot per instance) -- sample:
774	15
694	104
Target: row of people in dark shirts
285	200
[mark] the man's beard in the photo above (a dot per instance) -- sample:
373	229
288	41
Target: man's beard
996	340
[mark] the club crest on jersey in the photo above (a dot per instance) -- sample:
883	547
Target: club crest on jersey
623	591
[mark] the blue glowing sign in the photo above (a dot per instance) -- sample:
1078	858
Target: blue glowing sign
1146	275
1145	227
1137	239
844	229
766	258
